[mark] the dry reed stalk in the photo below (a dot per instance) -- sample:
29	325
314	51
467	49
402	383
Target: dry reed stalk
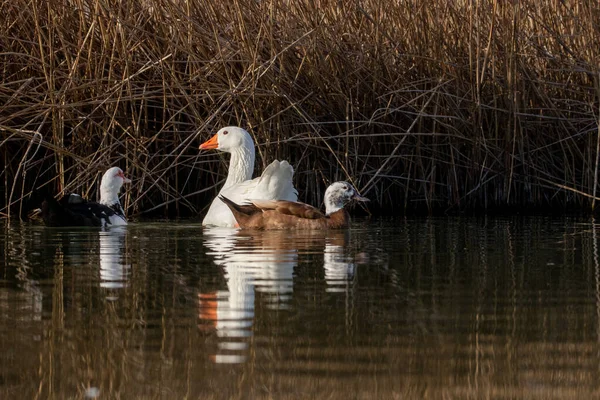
595	185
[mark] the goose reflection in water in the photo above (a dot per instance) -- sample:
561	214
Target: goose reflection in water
114	270
263	262
251	263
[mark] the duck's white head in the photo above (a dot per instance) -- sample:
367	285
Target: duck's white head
111	183
338	194
230	139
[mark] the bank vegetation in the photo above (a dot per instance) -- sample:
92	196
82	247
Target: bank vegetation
423	105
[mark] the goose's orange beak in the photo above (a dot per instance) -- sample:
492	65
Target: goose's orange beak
211	143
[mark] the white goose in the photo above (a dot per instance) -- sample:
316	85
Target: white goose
275	183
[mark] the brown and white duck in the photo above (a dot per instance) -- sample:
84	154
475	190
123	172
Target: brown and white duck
281	214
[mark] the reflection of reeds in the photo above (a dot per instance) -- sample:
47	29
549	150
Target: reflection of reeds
500	308
464	104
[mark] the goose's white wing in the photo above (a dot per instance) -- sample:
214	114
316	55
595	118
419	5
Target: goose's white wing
275	183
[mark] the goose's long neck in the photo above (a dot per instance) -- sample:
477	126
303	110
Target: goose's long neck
241	165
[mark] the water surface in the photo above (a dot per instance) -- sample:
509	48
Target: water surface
392	308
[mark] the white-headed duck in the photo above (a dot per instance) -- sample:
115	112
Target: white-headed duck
74	210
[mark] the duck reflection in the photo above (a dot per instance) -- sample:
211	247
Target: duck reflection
339	266
114	269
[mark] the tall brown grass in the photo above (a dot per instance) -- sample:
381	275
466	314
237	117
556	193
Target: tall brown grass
429	104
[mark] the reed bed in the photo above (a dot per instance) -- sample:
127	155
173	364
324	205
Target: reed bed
431	105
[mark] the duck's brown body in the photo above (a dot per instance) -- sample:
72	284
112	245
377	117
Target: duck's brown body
281	214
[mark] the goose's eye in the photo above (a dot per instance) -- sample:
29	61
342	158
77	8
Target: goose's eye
345	187
225	132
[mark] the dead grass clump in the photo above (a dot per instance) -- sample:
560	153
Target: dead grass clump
430	104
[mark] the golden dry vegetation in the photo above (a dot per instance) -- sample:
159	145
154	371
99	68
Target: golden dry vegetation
422	104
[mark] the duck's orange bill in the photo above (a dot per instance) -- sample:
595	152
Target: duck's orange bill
211	143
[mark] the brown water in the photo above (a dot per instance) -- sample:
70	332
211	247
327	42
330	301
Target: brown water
393	308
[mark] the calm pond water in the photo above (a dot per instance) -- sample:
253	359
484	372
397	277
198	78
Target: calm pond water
393	308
